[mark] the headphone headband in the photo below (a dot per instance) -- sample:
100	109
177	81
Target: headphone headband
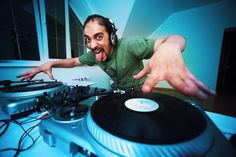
114	29
113	36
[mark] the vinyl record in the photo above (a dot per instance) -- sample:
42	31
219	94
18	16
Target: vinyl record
167	120
32	86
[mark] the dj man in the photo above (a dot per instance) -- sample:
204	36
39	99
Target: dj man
122	59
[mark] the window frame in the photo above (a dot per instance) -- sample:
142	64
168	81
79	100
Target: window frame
41	29
19	63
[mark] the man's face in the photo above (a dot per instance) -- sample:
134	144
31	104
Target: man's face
97	40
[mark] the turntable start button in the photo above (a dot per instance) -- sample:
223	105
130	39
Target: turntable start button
141	105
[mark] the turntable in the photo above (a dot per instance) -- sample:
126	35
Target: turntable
135	124
70	114
19	96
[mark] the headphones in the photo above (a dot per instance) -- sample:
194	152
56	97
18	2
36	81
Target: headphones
113	36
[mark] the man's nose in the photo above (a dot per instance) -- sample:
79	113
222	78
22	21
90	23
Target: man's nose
93	44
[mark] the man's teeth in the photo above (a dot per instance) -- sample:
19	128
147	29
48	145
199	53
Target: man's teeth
98	51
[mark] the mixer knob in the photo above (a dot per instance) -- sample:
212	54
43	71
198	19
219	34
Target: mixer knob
86	90
45	95
79	89
51	95
65	94
75	89
69	89
95	90
57	93
37	100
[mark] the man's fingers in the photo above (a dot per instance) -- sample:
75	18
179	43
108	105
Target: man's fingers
180	84
191	87
26	78
18	76
22	75
142	73
205	89
50	75
201	85
149	83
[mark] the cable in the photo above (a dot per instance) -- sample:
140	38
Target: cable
6	124
23	136
30	120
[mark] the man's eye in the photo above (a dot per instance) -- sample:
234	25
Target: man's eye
99	37
87	40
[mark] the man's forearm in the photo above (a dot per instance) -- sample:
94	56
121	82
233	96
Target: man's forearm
66	63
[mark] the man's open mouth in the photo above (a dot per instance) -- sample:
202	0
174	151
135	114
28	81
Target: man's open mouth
97	51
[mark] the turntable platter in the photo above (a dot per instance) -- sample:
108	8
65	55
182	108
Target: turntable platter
171	121
31	86
30	89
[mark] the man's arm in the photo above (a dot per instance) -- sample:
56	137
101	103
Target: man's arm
47	68
66	63
167	64
173	39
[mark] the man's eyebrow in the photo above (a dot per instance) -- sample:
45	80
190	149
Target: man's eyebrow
99	33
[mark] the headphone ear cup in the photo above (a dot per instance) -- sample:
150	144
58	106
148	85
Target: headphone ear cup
113	38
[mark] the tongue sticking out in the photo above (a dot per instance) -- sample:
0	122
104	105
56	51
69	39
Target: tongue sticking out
100	56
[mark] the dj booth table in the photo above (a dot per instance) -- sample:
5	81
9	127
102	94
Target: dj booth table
11	139
112	133
40	148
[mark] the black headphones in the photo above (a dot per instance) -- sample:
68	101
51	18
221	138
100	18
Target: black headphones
113	36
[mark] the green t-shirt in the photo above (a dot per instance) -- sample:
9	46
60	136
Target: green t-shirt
125	61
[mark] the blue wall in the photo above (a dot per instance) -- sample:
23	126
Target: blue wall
117	10
203	28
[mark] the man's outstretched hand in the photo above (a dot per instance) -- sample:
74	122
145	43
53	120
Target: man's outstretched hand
45	68
167	64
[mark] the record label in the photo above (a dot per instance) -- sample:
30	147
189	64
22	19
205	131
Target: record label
141	105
